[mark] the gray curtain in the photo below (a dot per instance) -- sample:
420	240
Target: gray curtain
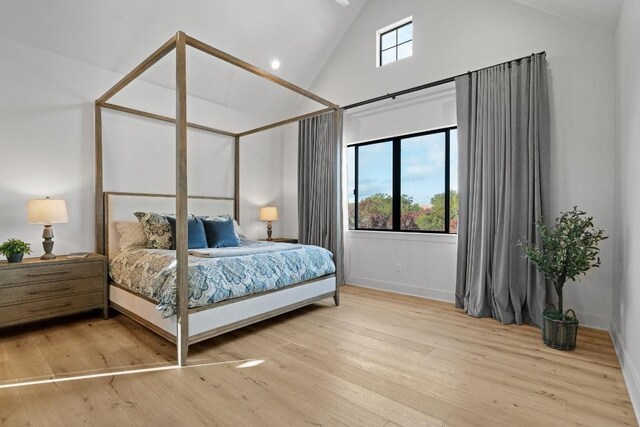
503	137
320	185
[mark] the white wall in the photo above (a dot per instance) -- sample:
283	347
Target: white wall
400	262
47	147
626	316
261	182
139	156
456	36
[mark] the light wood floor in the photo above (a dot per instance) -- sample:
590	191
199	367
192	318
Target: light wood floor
379	359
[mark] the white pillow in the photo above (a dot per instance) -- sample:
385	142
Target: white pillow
238	230
131	234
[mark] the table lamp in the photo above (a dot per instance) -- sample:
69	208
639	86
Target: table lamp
269	213
47	211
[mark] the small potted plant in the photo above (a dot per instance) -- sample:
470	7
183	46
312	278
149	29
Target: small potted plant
568	249
14	249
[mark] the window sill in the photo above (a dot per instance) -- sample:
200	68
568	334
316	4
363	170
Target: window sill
408	236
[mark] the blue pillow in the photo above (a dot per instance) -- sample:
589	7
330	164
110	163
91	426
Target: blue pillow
220	233
196	236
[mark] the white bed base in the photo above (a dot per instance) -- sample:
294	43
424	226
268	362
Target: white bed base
210	321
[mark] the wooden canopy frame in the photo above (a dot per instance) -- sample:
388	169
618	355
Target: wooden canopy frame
179	43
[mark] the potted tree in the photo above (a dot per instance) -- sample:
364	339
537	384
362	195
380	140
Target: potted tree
568	249
14	249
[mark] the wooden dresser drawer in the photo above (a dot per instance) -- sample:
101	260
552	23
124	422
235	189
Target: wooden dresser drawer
19	313
48	273
34	291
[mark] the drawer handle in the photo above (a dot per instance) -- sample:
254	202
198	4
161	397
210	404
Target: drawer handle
49	273
50	307
44	291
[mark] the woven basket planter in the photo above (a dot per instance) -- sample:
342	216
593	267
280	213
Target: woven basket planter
559	330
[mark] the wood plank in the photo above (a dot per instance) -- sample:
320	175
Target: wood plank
99	196
156	56
236	178
12	411
21	358
76	345
32	271
58	260
123	193
285	122
378	359
255	70
182	201
144	322
167	119
339	261
96	409
293	380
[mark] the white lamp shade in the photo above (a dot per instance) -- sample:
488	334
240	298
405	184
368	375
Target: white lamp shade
47	211
269	213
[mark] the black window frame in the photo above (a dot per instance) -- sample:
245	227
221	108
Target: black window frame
396	197
395	45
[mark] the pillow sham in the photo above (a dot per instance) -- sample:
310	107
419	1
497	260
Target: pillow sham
238	230
156	229
220	233
131	234
236	227
196	237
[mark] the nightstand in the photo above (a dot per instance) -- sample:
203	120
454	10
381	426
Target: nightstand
281	240
35	289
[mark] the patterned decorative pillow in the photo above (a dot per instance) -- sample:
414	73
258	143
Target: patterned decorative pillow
156	229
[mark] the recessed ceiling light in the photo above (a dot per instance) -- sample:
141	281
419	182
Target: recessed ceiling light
275	64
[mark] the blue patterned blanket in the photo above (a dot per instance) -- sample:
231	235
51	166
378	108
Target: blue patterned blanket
263	266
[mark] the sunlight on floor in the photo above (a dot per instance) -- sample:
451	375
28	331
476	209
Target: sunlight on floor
244	363
250	364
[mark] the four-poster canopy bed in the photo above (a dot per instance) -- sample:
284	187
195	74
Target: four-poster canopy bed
191	325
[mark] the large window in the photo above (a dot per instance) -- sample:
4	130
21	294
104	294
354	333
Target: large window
405	183
395	42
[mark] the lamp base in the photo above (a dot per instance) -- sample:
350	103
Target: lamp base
269	231
47	235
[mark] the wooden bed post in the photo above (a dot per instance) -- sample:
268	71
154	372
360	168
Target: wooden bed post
100	243
182	257
339	262
180	42
236	179
144	65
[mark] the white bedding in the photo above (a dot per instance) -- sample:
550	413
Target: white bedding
257	248
221	274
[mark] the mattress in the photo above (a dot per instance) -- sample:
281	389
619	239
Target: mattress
217	275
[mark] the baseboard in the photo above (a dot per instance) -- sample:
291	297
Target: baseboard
401	288
594	321
629	370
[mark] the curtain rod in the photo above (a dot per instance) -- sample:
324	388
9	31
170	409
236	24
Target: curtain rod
393	95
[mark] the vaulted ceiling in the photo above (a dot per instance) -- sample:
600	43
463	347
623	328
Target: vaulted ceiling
117	34
599	13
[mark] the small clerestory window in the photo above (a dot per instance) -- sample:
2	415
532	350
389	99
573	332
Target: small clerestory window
395	42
